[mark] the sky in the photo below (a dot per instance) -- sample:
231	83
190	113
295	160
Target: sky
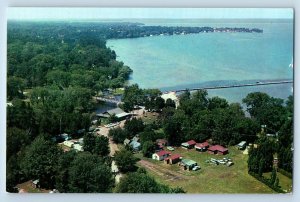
30	13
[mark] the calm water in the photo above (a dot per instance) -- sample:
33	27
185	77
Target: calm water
172	62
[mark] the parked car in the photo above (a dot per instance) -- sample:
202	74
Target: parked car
196	168
170	148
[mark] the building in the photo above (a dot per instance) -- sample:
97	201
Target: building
173	159
78	147
241	145
202	146
135	145
68	143
118	112
126	141
172	96
188	145
161	155
188	164
217	149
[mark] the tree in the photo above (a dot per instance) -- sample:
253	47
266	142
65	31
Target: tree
101	146
118	135
170	103
113	118
266	110
15	87
40	161
173	131
148	148
216	102
125	160
89	174
134	126
62	177
159	103
89	142
273	176
133	95
146	184
16	140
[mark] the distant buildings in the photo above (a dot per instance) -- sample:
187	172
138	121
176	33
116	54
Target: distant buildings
118	112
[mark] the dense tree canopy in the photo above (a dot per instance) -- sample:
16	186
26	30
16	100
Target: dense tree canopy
40	161
125	160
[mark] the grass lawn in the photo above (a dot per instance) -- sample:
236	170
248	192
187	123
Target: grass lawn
284	182
149	117
210	178
119	91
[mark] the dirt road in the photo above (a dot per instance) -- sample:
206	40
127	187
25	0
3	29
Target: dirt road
163	172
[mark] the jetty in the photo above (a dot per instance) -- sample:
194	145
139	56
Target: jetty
235	86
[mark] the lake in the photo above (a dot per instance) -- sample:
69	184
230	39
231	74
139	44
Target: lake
195	60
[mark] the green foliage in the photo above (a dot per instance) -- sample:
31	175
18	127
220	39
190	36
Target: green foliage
15	87
118	135
89	174
62	177
16	140
40	161
125	161
96	144
140	182
266	110
89	142
148	148
113	118
275	186
134	126
101	146
261	158
133	95
170	103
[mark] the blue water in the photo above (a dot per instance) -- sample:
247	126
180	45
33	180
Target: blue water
166	62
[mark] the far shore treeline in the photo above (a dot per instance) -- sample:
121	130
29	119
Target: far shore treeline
56	68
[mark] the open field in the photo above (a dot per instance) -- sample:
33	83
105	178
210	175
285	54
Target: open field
210	178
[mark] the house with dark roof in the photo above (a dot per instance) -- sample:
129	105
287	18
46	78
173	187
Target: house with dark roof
202	146
174	158
161	155
217	149
189	144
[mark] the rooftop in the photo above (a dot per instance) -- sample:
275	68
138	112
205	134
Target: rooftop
217	148
188	162
162	153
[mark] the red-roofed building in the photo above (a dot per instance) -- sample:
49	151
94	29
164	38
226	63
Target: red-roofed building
161	155
189	144
174	158
202	146
217	149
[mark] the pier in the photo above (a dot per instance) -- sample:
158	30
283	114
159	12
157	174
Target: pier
235	86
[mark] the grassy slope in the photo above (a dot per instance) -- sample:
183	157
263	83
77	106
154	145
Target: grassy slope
213	179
